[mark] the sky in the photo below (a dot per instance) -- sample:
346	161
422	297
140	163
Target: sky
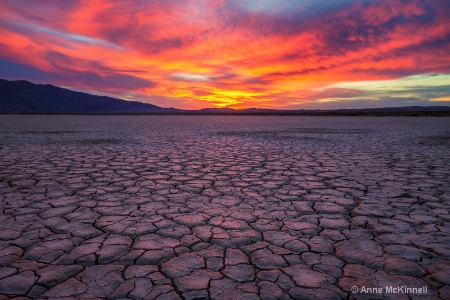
192	54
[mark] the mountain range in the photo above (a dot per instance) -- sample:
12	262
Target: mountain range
28	98
25	97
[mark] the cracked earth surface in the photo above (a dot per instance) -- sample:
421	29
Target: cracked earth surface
198	207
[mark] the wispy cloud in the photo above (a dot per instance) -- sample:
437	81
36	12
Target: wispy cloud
190	77
281	54
77	38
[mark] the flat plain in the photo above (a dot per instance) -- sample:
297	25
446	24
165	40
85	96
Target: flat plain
224	207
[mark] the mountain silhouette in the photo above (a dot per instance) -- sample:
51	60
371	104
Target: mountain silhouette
28	98
25	97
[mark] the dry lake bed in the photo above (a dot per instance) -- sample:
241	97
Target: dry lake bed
224	207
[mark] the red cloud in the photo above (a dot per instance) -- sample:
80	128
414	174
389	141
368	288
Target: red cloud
246	55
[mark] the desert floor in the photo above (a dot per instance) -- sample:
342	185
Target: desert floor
224	207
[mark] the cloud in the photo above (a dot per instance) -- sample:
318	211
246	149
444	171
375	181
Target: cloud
338	93
441	99
190	77
372	102
267	53
76	37
16	71
82	79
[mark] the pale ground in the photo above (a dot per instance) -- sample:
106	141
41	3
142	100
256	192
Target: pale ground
167	207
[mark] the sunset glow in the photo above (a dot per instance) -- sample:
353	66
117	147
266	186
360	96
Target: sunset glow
227	53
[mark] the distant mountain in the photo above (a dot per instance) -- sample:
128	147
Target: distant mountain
227	110
25	97
380	111
215	110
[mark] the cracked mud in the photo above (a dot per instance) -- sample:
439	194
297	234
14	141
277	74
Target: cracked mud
171	207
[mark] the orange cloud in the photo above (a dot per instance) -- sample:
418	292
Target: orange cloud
198	53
